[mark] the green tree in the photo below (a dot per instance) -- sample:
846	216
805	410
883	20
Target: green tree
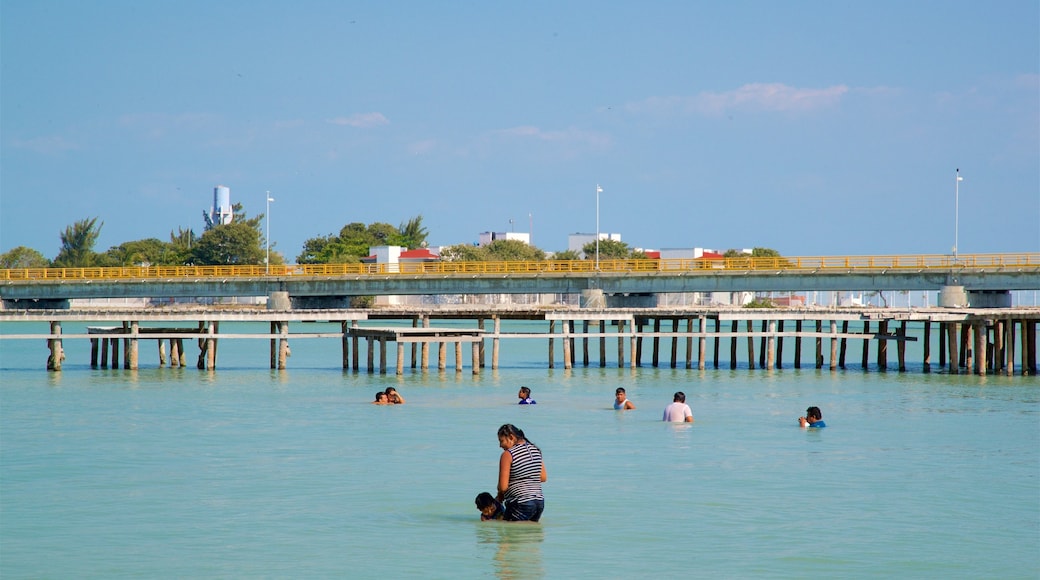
412	234
180	246
512	251
463	253
147	252
610	250
77	244
236	243
567	255
23	257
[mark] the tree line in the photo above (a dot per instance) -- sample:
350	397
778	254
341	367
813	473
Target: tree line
242	242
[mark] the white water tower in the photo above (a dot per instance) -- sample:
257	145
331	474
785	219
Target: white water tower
221	213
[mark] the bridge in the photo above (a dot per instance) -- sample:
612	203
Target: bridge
328	285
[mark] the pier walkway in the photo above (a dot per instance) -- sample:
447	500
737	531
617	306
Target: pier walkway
980	341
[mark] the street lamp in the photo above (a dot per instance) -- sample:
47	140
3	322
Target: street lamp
599	190
956	211
267	260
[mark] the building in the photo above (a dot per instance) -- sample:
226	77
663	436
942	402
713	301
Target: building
488	237
576	242
398	259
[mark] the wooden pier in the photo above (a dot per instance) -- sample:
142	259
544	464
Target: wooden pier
978	341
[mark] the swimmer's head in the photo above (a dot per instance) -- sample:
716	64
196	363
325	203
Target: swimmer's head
680	397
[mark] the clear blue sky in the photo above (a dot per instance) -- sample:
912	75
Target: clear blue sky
813	127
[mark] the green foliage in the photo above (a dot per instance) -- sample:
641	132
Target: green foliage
567	255
760	303
512	251
77	244
147	252
23	257
611	250
464	253
356	239
236	243
178	251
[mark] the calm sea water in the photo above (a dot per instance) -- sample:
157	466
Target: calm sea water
248	472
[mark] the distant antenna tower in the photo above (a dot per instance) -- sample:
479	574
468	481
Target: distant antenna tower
221	213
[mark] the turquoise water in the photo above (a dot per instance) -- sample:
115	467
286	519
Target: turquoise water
251	472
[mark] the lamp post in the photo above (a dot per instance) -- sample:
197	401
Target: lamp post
956	211
267	260
599	190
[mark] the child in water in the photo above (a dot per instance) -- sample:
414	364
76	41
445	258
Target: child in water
490	508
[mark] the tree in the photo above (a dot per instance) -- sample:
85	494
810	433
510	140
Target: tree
23	257
77	244
412	234
179	248
567	255
236	243
610	250
512	251
463	253
147	252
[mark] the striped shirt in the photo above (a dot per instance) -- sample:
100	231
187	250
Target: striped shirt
525	474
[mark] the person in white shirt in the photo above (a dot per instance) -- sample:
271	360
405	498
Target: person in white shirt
678	411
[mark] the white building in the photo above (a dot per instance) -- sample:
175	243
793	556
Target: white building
488	237
576	242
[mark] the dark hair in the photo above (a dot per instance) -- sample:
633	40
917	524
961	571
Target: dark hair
619	390
680	397
813	412
526	392
510	429
388	389
484	499
380	394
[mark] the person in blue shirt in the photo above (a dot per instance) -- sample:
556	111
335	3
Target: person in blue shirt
525	396
813	419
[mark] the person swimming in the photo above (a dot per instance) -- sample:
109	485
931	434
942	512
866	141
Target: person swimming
490	508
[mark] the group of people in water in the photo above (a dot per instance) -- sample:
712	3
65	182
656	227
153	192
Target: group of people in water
521	470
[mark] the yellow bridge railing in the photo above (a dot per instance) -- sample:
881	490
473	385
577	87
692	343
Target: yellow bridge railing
851	264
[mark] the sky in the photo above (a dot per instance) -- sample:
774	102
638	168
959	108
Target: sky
815	128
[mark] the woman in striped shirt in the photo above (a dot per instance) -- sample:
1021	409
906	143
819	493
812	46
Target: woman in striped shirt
521	473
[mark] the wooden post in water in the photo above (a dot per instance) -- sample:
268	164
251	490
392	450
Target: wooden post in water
981	340
951	344
552	346
780	344
901	346
701	340
927	346
763	346
656	356
275	329
942	345
733	346
770	347
425	345
750	346
882	353
134	328
834	345
844	344
104	352
637	358
115	353
93	353
621	344
283	344
480	344
355	347
494	343
442	356
458	356
415	346
819	344
718	331
585	343
162	353
632	349
345	344
571	326
382	354
57	354
999	354
400	357
177	357
965	329
478	349
602	343
371	359
567	360
798	344
689	342
675	342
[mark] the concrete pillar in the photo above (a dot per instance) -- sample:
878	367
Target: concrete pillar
567	360
477	349
771	346
442	356
400	358
133	350
494	343
621	344
592	299
458	356
279	300
162	353
283	344
382	355
57	353
952	296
